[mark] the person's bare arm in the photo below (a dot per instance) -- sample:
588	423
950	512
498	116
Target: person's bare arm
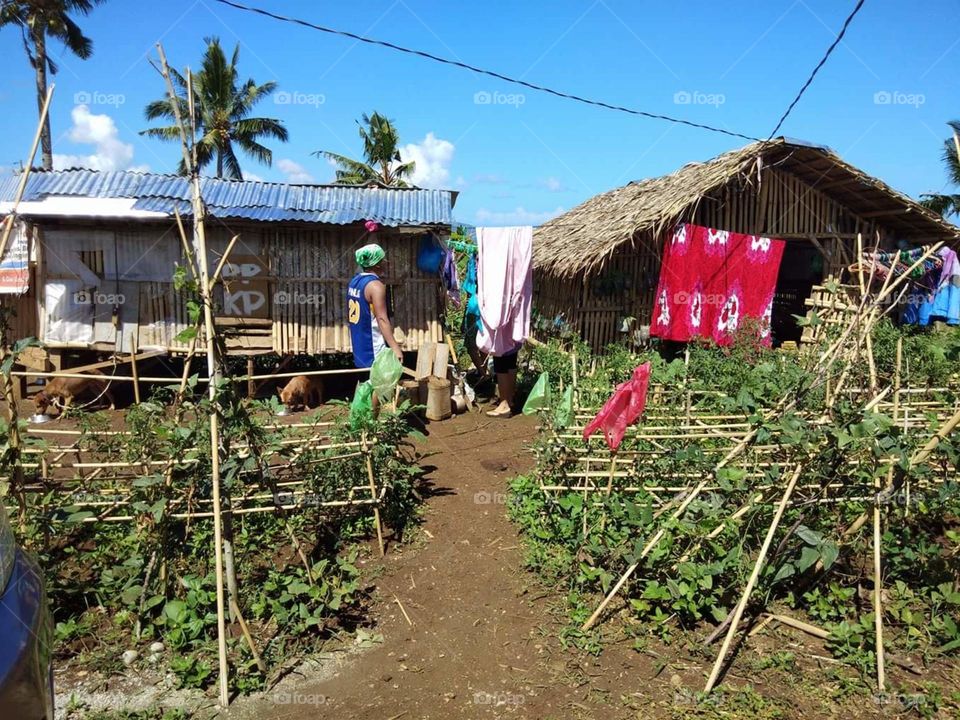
376	294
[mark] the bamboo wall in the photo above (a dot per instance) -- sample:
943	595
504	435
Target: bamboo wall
309	267
784	207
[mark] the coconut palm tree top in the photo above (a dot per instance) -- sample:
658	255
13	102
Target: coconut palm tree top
382	164
222	109
948	204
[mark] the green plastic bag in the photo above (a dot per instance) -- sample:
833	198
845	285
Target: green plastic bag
564	412
539	398
385	374
361	407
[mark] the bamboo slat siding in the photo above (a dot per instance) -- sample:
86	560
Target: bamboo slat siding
309	268
784	207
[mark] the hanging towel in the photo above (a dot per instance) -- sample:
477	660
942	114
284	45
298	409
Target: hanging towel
710	280
504	287
622	409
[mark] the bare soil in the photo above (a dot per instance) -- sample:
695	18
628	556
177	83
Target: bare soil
469	633
462	630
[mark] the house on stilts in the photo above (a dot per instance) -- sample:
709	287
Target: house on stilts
99	251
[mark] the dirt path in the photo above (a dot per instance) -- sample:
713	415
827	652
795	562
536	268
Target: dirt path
481	643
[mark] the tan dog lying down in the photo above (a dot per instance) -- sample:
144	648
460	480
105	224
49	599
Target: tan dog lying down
302	392
61	392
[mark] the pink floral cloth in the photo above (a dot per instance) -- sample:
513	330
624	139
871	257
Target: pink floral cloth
711	279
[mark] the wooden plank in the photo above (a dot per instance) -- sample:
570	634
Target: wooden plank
441	360
425	358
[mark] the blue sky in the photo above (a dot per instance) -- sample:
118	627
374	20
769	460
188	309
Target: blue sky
521	157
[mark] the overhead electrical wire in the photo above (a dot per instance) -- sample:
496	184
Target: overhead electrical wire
481	71
823	60
551	91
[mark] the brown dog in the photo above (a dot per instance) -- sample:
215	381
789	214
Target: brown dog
302	392
61	392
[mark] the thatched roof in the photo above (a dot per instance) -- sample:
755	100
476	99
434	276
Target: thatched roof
583	238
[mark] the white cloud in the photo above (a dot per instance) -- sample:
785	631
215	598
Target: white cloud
252	176
293	171
432	157
518	216
110	153
553	184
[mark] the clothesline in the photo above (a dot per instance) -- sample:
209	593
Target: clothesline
899	261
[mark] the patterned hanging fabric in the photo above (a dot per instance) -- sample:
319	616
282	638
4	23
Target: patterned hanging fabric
710	280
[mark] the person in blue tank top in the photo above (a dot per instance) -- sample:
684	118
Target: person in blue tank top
370	326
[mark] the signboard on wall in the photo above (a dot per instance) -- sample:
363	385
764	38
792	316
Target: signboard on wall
246	289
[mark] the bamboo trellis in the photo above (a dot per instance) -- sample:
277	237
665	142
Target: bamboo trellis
839	355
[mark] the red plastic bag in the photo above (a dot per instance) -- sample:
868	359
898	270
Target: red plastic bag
622	409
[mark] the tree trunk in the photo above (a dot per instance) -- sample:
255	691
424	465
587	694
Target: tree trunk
219	163
38	35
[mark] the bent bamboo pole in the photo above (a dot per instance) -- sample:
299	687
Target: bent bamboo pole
751	583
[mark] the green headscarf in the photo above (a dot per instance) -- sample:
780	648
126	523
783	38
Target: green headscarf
370	255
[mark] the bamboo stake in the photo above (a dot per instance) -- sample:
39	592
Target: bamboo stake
246	634
752	581
22	185
373	493
189	157
133	368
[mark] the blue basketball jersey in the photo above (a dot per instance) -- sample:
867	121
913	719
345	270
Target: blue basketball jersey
365	333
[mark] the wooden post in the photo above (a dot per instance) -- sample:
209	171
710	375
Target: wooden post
251	384
757	567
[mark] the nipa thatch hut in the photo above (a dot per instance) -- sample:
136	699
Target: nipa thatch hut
599	263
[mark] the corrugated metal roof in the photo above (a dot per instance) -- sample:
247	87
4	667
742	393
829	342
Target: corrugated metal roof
272	202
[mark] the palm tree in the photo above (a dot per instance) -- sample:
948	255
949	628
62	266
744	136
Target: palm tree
221	114
37	20
380	151
948	205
